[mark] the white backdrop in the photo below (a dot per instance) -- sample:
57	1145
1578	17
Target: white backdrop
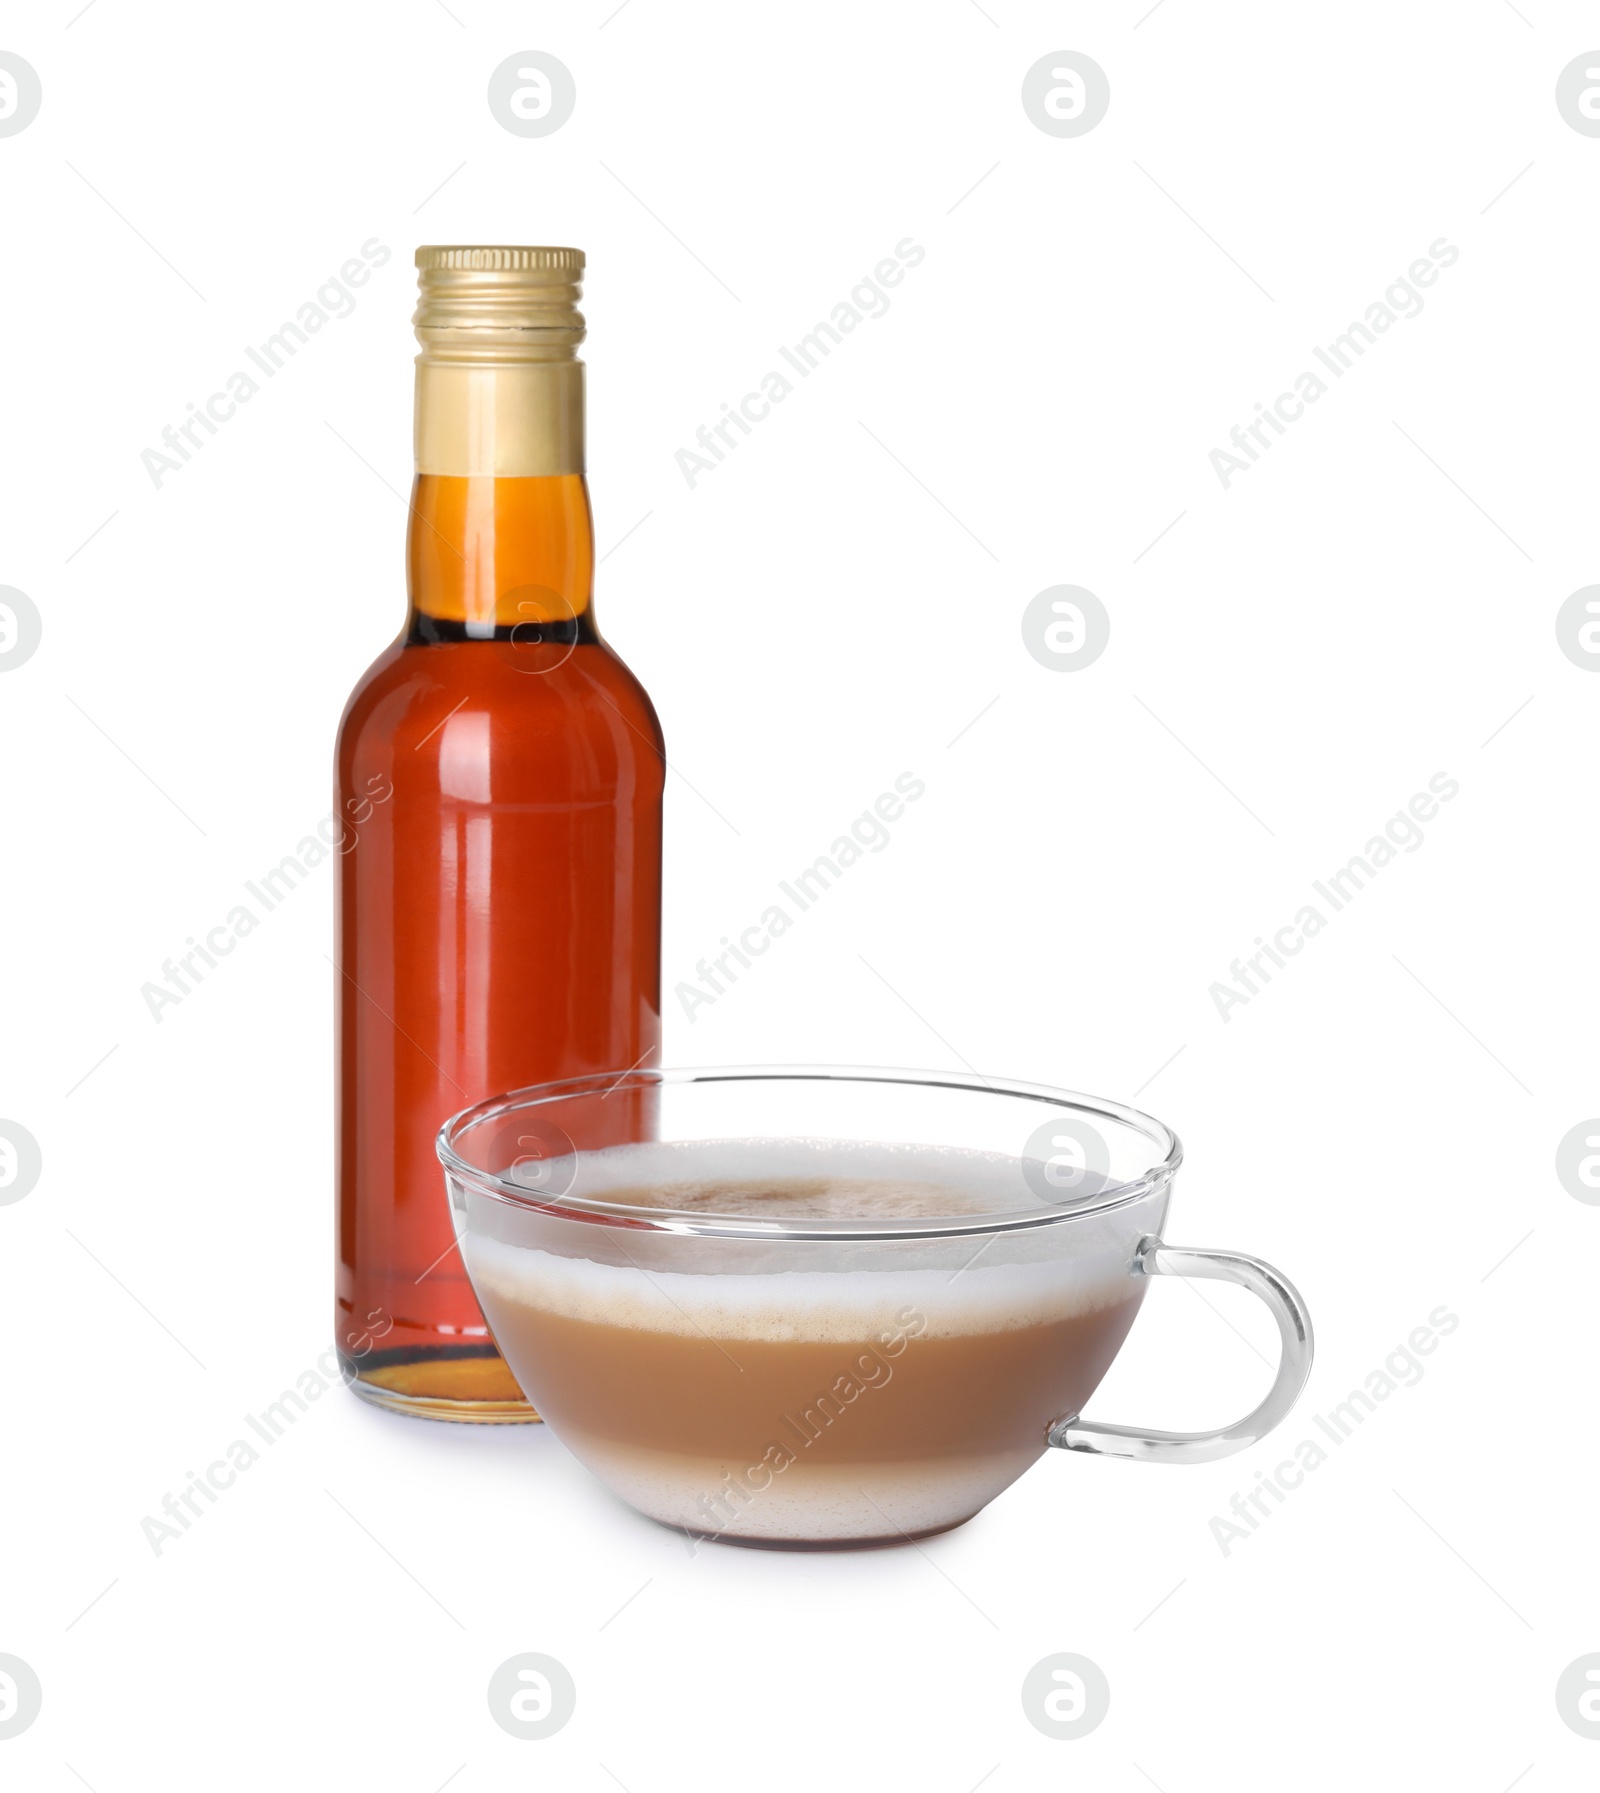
1293	655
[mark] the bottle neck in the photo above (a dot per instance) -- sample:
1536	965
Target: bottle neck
500	531
485	554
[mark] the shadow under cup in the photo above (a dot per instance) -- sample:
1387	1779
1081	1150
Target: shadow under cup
799	1307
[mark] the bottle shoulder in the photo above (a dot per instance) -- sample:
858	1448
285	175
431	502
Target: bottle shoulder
371	681
553	701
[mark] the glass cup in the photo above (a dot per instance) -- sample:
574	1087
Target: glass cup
822	1308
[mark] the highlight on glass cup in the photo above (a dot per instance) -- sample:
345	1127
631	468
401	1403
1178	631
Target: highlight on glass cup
827	1307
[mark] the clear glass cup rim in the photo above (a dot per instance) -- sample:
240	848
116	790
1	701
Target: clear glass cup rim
1168	1147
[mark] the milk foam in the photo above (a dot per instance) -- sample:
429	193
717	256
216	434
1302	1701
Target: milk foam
779	1179
1077	1267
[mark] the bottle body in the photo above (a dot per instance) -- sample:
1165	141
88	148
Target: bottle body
499	905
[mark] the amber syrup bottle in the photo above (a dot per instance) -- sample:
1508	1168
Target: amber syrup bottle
500	896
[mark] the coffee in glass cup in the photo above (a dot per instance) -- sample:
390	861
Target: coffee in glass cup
826	1308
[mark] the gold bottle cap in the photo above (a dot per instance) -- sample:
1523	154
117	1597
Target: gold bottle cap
499	303
499	382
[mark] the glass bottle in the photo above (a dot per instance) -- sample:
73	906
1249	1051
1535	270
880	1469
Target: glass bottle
499	775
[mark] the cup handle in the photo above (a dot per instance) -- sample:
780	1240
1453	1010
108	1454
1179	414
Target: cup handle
1294	1328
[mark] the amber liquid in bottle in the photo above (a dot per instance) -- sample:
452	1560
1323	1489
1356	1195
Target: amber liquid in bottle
500	771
